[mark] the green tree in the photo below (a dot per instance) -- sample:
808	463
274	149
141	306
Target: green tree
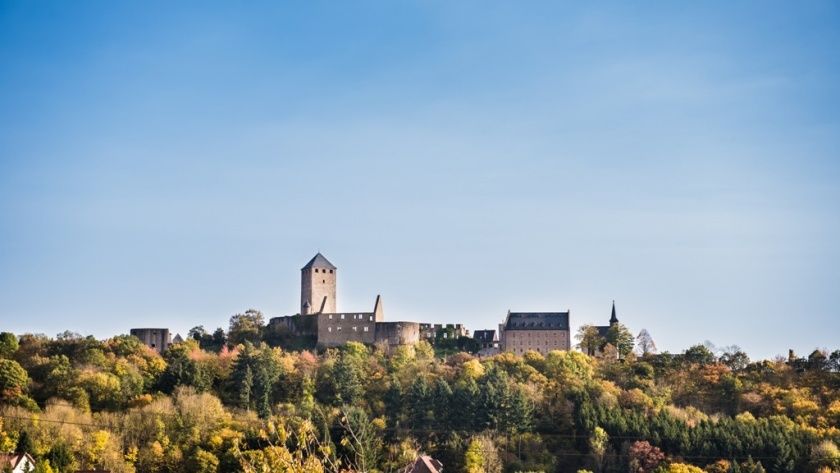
598	442
620	337
699	354
13	380
61	456
8	344
362	438
24	443
246	327
735	358
184	368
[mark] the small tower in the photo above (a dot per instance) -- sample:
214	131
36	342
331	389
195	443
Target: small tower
613	318
317	286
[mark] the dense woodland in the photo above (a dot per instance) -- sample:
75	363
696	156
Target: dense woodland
236	401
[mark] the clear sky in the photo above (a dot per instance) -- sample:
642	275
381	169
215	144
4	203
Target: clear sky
171	164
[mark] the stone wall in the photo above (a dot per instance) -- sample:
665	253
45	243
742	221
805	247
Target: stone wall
542	341
397	333
339	328
158	339
315	285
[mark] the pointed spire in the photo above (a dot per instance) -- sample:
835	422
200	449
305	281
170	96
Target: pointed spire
613	318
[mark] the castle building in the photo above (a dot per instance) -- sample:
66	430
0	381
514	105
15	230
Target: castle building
538	331
320	320
317	286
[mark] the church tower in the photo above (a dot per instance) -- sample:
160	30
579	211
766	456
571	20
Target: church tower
317	286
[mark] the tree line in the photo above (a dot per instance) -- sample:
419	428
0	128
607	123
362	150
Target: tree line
237	400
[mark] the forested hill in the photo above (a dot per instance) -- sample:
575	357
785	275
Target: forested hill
79	403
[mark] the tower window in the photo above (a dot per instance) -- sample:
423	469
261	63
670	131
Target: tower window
324	281
316	270
331	271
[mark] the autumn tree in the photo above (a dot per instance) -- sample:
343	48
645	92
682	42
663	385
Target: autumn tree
644	457
13	381
589	340
598	443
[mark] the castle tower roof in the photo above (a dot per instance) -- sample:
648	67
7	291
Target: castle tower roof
613	318
318	261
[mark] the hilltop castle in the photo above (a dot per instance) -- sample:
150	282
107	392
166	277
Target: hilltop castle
319	324
320	321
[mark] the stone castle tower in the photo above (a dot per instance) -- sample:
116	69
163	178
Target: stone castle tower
317	286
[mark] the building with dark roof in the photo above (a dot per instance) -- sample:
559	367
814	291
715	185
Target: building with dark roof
603	329
488	343
538	331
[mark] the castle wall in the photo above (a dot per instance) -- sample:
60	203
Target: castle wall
339	328
397	333
158	339
294	325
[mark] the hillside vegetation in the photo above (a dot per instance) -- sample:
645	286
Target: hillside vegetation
76	402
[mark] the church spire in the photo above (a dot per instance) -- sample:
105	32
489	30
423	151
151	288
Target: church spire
613	318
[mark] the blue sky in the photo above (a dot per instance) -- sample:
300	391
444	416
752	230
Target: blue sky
173	164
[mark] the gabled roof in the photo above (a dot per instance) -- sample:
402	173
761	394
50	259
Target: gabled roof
14	459
318	261
537	321
424	464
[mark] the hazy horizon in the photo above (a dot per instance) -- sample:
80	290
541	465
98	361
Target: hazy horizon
172	165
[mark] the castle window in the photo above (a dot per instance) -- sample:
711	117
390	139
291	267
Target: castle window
371	317
324	281
331	271
355	329
329	329
338	329
366	329
342	316
316	270
329	316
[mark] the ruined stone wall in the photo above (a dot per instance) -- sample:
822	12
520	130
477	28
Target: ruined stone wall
397	333
339	328
158	339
